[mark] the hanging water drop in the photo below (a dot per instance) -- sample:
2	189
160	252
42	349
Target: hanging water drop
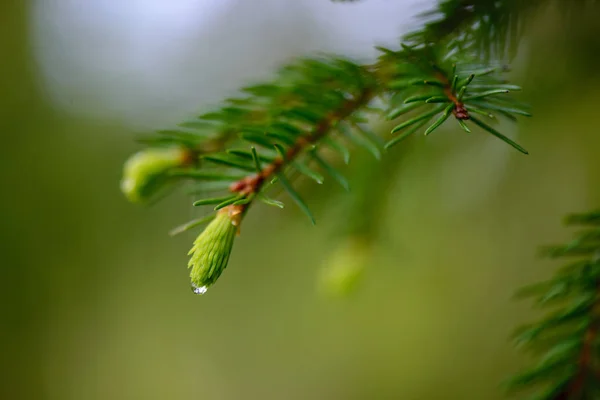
199	290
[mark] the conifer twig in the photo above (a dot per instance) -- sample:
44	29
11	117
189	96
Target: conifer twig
276	128
252	185
568	338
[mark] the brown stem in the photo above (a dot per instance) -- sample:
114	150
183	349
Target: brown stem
459	111
585	361
253	183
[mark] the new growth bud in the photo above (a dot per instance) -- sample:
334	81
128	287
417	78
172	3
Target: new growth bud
211	249
145	173
344	268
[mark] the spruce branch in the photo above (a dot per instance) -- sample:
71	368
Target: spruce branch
437	82
252	185
284	125
567	339
491	28
275	130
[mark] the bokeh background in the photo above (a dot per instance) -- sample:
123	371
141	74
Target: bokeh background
96	301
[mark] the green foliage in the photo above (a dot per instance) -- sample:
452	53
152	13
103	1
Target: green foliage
431	83
566	341
490	28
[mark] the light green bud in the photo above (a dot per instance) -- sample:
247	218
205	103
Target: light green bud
211	249
145	172
344	268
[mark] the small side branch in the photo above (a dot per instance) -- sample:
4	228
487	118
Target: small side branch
568	338
252	184
586	361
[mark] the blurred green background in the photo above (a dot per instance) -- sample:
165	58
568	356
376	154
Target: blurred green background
96	301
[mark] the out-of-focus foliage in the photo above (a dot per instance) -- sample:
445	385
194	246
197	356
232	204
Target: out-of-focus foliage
492	27
567	339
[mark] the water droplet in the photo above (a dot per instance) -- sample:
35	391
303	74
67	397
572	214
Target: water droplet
199	290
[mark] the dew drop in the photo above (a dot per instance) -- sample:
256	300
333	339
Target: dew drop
199	289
